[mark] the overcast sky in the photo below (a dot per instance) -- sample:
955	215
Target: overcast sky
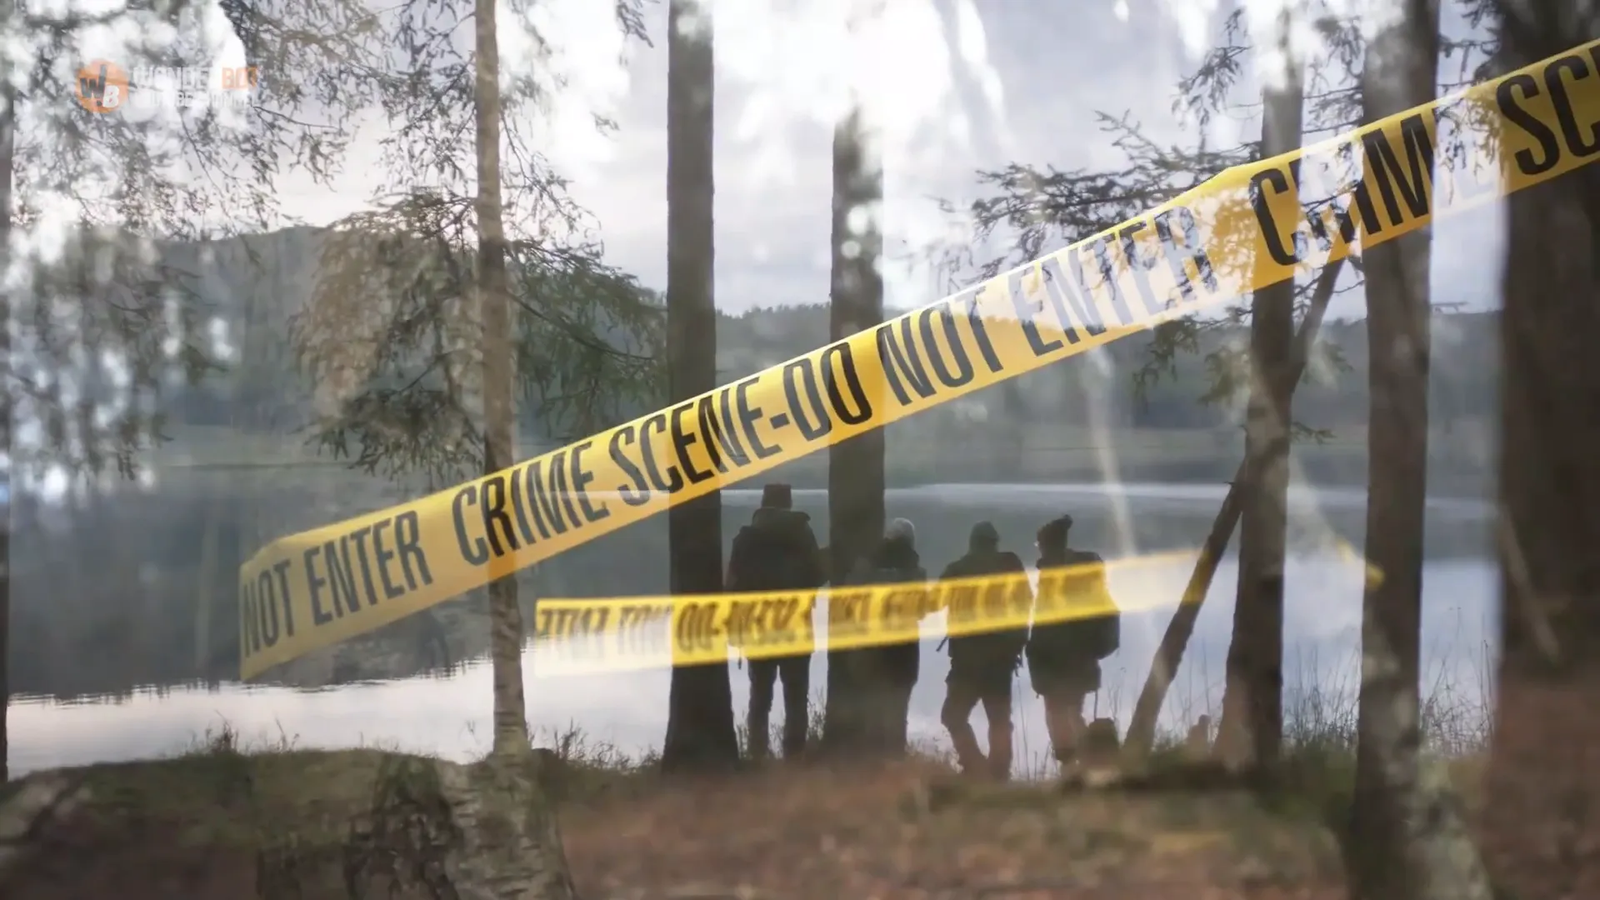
957	85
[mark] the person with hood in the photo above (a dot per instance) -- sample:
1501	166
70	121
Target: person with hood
982	665
1064	656
778	551
889	673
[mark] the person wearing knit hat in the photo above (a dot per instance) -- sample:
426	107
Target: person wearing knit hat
983	665
777	496
1054	534
1064	653
887	675
901	530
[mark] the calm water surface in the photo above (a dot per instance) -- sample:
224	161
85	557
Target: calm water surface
449	715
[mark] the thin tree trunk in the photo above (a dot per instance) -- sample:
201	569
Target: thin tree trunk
511	844
1541	811
1406	839
494	298
8	147
856	480
1251	730
700	723
1175	640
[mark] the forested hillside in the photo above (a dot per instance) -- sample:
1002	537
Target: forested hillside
256	285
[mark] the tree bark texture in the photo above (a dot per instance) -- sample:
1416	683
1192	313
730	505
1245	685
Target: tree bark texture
499	445
700	725
512	842
442	830
1407	835
1251	729
1175	640
1541	815
8	146
856	482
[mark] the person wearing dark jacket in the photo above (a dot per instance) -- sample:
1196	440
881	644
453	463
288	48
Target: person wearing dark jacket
889	673
1064	656
778	551
982	665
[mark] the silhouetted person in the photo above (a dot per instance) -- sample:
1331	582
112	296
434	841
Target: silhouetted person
778	551
889	673
982	664
1064	657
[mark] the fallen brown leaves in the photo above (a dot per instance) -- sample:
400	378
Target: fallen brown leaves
1540	822
911	831
197	827
208	828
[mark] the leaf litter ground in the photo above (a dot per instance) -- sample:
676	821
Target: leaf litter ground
913	830
277	825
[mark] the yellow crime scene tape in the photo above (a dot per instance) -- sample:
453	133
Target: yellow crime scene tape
586	635
1250	227
583	636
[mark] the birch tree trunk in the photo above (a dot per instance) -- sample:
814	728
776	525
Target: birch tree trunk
700	723
494	309
1251	730
1541	823
510	842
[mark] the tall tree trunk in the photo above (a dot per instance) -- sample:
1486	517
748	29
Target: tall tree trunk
1541	824
8	148
700	725
1406	838
511	842
494	298
1175	640
1251	730
856	480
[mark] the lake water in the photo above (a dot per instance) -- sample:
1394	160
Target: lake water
448	714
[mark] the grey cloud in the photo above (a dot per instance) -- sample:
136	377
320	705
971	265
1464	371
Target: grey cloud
772	226
1055	79
1057	71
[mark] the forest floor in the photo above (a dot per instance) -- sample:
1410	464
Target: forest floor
914	830
219	824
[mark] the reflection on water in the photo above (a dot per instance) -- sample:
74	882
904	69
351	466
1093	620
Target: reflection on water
159	605
449	715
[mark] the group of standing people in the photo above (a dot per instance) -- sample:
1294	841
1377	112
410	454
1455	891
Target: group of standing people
779	551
